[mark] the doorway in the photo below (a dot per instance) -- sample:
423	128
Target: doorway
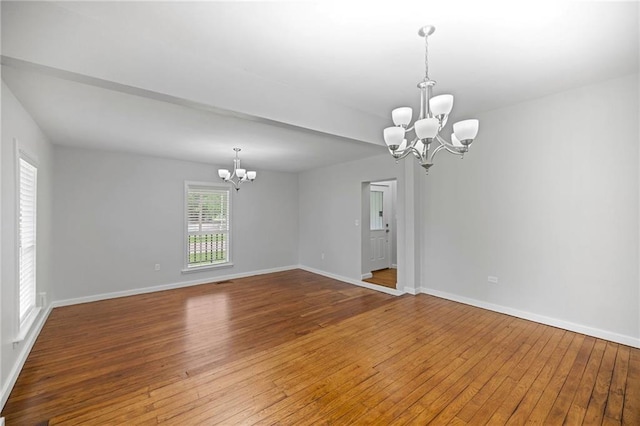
379	233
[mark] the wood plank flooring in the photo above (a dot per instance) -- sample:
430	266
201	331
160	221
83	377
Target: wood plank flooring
297	348
385	277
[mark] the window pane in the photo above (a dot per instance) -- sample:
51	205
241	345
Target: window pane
27	238
207	225
376	211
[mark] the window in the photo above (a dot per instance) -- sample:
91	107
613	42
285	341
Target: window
27	185
376	210
208	236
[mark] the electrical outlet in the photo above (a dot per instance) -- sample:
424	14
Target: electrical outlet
42	300
322	256
157	267
357	222
492	279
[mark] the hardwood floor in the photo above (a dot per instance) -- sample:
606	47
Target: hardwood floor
385	277
298	348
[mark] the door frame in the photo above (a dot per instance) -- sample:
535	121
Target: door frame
365	224
381	260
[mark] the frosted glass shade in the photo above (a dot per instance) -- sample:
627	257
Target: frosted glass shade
251	175
223	173
466	130
427	128
393	135
240	173
403	145
455	141
401	116
441	104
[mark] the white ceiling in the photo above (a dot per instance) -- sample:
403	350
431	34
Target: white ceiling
191	80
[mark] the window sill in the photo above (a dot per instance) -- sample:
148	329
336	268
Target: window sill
27	325
207	267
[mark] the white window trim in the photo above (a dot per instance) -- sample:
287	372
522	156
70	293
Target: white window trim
22	328
27	324
186	269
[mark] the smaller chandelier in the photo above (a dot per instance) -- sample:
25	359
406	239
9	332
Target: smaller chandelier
238	175
434	112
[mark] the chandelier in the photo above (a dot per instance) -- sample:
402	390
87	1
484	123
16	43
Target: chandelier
434	112
238	175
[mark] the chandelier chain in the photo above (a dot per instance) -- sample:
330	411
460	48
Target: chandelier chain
426	58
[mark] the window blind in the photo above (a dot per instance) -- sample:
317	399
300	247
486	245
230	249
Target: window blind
27	237
208	225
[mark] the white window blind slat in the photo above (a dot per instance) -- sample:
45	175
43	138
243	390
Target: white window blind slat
27	237
208	225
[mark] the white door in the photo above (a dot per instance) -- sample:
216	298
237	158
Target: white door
379	241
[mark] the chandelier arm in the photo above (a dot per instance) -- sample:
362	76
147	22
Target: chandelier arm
411	145
413	142
435	151
408	150
450	147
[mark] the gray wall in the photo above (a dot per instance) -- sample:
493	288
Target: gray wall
331	202
117	215
547	201
17	123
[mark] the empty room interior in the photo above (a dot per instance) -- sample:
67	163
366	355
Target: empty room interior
319	212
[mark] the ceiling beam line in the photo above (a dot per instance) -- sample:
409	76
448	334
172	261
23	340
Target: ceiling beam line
23	65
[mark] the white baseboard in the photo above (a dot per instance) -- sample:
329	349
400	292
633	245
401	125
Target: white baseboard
347	280
143	290
27	345
411	290
394	266
565	325
367	276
